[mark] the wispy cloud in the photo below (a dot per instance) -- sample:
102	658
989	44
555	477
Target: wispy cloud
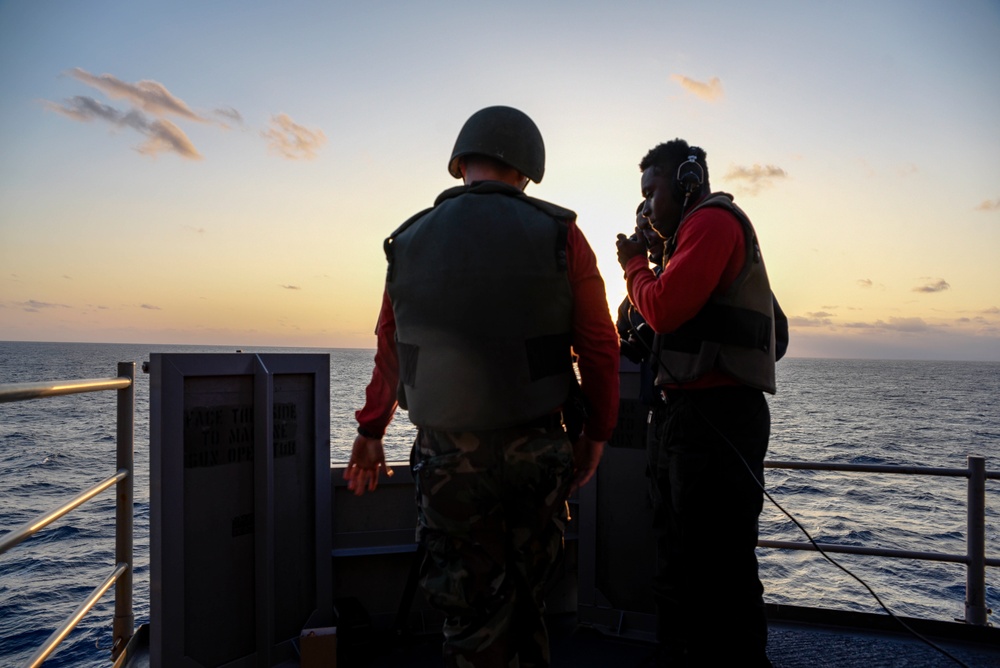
989	205
85	109
150	96
162	135
939	285
291	287
34	306
904	324
710	91
151	307
165	136
909	325
755	178
230	113
292	141
153	111
809	320
869	284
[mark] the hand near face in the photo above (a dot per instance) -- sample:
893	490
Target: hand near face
628	248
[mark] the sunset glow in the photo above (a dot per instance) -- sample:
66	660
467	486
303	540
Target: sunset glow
225	172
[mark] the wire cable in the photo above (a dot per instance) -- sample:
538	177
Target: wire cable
798	524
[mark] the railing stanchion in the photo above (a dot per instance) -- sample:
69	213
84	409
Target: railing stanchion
124	621
975	577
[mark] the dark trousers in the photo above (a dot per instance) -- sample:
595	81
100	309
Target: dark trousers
706	503
491	508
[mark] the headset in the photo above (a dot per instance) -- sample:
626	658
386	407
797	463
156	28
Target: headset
689	180
690	177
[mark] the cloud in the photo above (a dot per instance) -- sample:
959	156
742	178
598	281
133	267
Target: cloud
755	178
34	306
86	109
756	173
813	320
150	105
908	325
165	136
162	135
904	324
869	284
151	307
150	96
989	205
291	287
939	285
709	92
291	140
229	114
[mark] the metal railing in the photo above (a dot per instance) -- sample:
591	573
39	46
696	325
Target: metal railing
121	576
975	559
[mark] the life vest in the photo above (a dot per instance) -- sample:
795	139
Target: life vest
481	296
734	332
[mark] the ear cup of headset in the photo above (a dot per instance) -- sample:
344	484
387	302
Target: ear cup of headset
690	177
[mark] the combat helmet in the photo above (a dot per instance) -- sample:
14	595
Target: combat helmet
505	134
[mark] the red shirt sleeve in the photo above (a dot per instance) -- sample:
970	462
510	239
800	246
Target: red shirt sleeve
709	256
380	395
595	339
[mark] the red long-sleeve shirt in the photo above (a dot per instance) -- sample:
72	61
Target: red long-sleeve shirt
594	338
709	256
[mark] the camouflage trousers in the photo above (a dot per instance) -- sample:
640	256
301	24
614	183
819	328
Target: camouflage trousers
492	512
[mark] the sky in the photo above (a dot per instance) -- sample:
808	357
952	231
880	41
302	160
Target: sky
225	172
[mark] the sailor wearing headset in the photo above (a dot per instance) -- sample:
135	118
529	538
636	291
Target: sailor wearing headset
717	341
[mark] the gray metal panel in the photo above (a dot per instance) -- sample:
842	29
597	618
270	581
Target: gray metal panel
374	549
617	546
232	563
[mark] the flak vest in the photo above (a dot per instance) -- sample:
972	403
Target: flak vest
480	292
735	331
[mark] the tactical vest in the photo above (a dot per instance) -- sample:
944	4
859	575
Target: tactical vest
734	331
483	307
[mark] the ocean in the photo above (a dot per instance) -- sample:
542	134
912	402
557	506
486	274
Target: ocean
826	410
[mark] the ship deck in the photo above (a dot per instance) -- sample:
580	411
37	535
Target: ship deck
816	638
799	638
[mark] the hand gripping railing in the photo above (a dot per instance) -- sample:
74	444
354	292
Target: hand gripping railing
975	559
121	576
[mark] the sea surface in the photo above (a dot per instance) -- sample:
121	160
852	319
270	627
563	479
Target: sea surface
859	411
